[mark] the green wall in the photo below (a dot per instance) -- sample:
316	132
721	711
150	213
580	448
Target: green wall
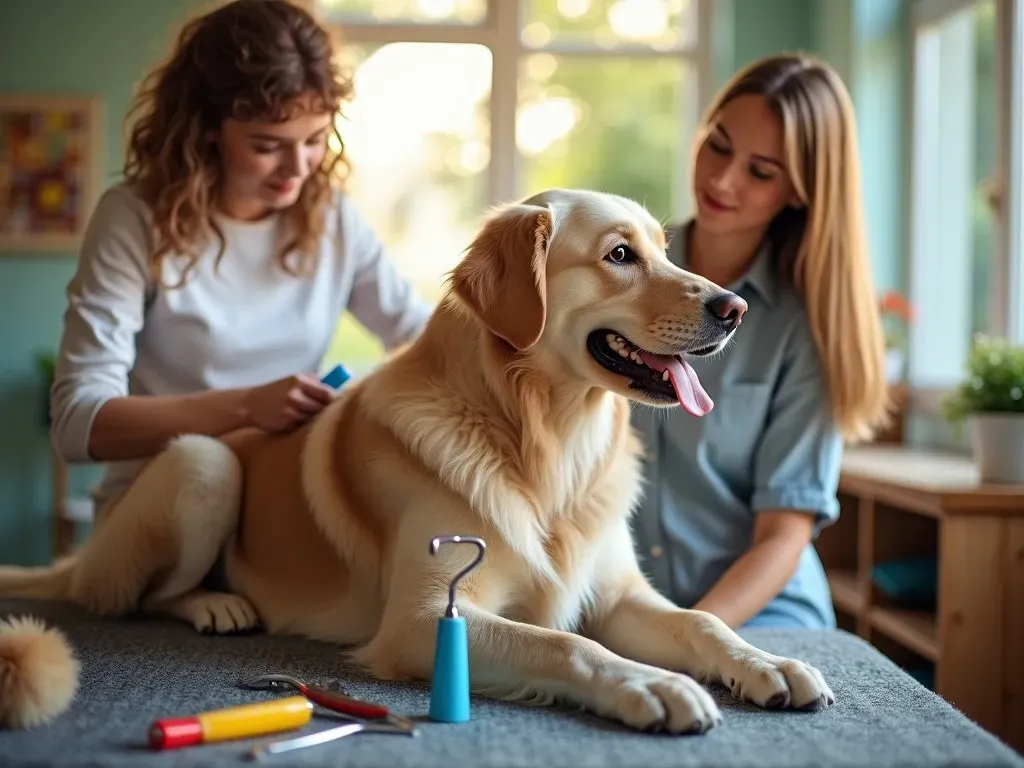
101	46
762	28
72	46
745	30
877	64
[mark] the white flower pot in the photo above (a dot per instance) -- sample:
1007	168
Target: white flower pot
998	443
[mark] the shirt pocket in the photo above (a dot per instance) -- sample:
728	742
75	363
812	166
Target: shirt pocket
739	418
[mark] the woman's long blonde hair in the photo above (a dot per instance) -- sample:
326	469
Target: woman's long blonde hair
246	59
822	247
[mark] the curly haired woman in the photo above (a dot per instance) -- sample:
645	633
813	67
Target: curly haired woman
212	277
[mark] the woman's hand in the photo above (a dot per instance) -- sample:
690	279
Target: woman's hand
286	403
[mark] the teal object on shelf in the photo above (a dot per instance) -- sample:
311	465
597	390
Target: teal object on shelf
449	694
924	675
337	376
912	581
449	688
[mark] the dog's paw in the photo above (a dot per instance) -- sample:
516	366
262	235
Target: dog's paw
774	682
215	613
659	700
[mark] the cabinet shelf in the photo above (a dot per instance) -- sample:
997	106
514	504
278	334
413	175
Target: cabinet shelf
954	606
914	629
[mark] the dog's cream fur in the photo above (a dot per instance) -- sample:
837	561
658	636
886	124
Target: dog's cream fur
496	422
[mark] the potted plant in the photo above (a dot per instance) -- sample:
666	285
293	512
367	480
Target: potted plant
991	400
897	314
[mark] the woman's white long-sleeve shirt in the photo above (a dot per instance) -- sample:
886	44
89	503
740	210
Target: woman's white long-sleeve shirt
237	323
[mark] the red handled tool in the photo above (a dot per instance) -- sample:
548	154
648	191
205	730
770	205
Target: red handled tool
334	700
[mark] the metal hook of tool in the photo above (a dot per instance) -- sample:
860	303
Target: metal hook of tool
451	611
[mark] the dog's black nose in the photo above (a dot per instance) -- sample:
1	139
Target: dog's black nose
728	308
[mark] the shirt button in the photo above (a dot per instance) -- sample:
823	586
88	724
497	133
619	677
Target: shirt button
657	551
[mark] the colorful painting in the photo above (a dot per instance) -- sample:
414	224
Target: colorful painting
48	165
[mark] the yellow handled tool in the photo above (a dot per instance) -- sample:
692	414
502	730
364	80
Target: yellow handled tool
231	723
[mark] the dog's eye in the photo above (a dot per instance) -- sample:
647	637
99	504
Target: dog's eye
621	254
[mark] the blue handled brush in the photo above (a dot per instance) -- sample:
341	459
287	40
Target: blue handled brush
337	376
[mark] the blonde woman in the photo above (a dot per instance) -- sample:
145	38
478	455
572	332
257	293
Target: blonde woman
735	498
213	275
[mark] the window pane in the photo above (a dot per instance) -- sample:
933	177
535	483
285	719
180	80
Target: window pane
613	124
420	158
1015	176
407	11
607	23
984	111
954	147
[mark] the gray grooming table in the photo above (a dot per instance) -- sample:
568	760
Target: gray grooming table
136	670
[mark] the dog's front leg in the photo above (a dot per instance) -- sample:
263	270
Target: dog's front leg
632	619
510	659
516	661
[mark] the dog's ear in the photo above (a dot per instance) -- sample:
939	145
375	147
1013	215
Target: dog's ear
502	277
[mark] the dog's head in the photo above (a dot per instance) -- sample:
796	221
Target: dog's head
579	283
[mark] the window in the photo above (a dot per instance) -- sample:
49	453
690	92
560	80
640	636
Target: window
1011	26
954	158
463	104
404	11
420	156
965	268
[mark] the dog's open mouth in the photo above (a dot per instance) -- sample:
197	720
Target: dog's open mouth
661	377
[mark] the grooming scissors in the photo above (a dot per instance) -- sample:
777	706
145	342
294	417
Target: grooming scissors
332	698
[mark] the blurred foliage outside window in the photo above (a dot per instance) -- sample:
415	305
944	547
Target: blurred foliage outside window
606	99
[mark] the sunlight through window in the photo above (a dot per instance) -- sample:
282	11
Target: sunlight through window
417	138
599	94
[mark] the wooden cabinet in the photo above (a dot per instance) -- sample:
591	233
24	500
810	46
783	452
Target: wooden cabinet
963	543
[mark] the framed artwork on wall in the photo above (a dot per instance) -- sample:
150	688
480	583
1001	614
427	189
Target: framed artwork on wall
50	159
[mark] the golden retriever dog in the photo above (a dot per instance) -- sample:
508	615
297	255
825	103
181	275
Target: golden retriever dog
507	419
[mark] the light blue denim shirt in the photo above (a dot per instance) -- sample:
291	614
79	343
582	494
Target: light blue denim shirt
769	443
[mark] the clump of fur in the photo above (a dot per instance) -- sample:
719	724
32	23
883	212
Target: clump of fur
38	673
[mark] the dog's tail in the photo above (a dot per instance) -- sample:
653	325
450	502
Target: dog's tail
49	582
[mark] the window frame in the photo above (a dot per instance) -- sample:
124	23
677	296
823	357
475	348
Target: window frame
1006	275
1010	22
500	30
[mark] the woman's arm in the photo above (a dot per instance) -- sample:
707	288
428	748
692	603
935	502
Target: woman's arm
93	416
762	571
796	477
140	425
105	311
137	426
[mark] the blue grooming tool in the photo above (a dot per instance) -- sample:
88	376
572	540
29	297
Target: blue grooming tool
449	692
337	376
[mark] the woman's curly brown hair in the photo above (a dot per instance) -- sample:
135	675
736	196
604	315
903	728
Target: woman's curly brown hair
248	59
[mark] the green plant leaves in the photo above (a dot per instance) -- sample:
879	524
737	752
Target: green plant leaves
994	381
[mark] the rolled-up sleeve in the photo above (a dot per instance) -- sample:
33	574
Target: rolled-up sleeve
798	458
381	299
105	309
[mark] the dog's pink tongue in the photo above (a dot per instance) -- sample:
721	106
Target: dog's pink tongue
684	380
